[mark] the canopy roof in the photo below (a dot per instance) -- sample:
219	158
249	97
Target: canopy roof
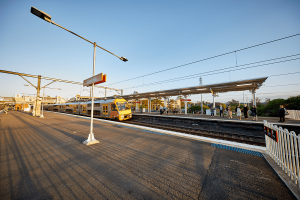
243	85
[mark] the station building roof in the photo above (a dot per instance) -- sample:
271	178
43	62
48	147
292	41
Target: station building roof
242	85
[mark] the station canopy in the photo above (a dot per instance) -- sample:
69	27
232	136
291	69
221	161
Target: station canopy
242	85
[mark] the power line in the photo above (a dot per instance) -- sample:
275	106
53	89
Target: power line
278	92
219	71
207	58
282	85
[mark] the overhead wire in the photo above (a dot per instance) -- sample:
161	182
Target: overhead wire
219	71
207	58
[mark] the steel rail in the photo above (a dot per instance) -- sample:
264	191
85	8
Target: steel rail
205	133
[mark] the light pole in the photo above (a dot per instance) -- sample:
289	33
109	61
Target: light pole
46	17
44	100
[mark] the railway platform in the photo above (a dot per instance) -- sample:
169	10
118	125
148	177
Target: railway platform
44	158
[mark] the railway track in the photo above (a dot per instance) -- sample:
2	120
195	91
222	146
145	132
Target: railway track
196	130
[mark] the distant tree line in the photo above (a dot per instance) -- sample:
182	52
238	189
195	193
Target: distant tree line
269	108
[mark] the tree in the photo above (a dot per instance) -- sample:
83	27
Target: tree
233	104
267	100
273	107
196	109
156	102
144	103
261	110
258	101
293	103
172	101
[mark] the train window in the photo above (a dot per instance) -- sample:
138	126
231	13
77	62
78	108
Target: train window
113	107
96	112
84	108
97	104
89	105
123	106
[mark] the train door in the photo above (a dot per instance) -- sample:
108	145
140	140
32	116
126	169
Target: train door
113	111
105	110
74	109
83	109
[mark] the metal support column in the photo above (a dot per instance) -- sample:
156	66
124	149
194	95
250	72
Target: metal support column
185	105
165	102
214	104
149	99
201	97
254	103
37	109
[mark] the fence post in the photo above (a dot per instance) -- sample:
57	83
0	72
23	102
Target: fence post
293	170
298	160
289	152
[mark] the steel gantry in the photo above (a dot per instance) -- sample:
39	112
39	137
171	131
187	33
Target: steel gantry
38	87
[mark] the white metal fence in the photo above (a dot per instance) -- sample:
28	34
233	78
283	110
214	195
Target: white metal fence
293	114
283	147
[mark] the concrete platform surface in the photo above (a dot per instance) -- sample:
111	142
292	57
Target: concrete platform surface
44	158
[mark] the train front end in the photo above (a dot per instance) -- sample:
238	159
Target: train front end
124	110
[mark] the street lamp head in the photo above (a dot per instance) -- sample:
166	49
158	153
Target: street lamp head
124	59
40	14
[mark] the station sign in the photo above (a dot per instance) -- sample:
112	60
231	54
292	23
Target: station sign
185	100
99	78
273	134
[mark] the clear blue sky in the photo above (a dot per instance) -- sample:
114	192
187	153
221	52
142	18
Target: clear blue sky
153	35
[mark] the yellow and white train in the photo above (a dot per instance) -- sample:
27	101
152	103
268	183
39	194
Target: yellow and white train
117	109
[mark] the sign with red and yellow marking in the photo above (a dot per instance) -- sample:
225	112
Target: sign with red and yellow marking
99	78
185	100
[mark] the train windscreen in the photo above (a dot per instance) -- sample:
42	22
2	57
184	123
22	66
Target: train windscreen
123	106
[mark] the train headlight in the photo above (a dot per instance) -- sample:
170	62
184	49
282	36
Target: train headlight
122	116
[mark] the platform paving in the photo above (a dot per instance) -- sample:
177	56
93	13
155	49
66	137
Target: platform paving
44	158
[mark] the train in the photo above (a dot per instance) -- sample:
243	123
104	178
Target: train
115	109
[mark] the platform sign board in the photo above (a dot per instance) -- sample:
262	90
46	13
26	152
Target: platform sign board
271	133
185	100
99	78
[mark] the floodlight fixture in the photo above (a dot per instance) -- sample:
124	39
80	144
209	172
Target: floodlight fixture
124	59
40	14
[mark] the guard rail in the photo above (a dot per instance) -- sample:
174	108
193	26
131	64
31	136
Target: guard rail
283	147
